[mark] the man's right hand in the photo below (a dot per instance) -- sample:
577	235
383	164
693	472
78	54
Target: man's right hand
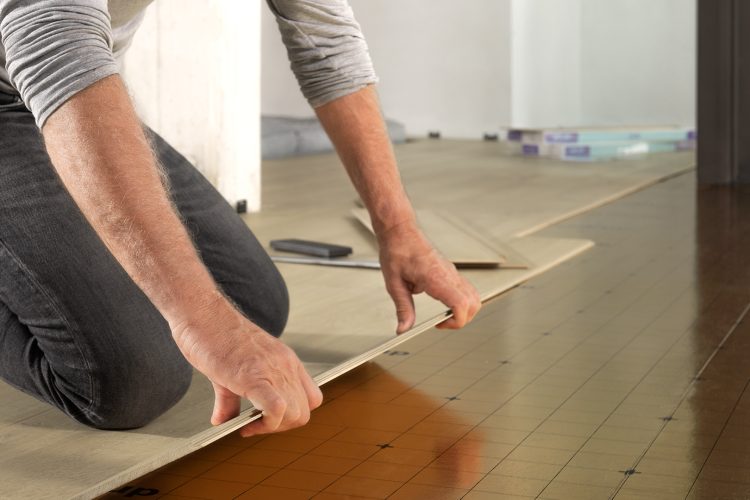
243	361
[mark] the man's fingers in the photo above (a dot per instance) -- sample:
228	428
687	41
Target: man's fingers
314	395
284	408
476	305
460	306
273	406
294	415
260	426
475	302
448	324
404	302
464	306
226	405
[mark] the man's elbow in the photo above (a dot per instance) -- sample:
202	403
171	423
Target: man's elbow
53	52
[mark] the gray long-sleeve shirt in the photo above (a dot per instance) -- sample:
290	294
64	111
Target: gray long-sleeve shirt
52	49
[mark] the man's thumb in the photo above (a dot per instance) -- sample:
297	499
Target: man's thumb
404	302
226	405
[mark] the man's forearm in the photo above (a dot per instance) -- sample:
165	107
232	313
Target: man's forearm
408	261
356	127
97	145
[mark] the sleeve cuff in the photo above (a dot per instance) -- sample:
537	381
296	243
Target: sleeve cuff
48	104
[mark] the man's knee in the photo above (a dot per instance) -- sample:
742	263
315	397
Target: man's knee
139	388
277	312
268	307
139	398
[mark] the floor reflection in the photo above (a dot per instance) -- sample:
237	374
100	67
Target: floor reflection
719	403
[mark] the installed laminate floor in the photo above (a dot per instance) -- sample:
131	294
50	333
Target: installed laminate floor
622	373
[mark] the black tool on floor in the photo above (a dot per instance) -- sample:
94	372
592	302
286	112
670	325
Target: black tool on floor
311	248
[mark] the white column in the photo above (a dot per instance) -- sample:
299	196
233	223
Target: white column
546	63
194	72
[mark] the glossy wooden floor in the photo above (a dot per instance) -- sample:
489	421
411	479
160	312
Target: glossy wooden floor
338	316
622	373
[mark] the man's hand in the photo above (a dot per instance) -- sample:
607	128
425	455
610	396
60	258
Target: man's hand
243	361
409	262
411	265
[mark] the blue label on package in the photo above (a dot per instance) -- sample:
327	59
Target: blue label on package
578	151
530	149
561	137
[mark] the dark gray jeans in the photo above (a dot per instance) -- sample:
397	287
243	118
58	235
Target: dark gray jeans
75	330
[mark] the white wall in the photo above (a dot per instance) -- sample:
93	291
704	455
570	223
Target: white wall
194	75
443	64
279	92
638	61
594	62
546	63
468	67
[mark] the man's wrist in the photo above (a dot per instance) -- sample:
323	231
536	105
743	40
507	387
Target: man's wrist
392	218
396	230
198	310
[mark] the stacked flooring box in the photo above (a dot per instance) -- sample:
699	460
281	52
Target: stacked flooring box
594	144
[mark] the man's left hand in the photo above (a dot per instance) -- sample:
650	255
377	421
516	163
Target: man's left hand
411	265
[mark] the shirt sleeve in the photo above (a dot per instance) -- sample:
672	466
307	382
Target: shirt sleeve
54	49
326	48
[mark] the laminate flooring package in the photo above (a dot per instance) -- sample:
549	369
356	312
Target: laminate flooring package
340	317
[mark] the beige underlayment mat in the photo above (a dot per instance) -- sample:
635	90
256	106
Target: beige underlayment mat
340	317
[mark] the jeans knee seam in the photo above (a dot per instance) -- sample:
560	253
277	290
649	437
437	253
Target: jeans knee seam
28	274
